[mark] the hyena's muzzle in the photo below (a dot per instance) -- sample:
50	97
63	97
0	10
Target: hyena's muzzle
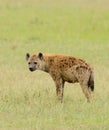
32	67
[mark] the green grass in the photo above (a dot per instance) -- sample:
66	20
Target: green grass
28	100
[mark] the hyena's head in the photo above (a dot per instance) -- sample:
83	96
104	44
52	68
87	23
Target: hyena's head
35	62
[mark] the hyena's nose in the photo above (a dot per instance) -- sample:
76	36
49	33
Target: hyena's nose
31	69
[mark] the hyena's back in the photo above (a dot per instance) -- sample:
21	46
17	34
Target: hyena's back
73	69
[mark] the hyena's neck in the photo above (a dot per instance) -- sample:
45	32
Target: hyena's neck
46	64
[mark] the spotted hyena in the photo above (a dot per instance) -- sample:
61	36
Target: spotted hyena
63	69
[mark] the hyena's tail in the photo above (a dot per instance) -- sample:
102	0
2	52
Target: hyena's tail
91	82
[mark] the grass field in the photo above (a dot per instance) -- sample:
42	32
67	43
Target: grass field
73	27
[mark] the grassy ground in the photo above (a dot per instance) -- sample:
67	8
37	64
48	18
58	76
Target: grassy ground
71	27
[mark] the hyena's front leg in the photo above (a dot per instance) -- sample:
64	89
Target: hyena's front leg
59	89
59	83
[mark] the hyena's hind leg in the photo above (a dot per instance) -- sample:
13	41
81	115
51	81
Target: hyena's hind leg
85	88
86	91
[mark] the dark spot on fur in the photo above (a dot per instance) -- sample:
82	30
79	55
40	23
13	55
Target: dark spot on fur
84	67
62	60
66	63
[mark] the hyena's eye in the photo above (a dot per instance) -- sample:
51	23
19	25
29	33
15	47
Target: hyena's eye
35	63
29	63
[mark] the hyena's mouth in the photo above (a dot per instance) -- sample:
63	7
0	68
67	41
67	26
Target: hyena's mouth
31	69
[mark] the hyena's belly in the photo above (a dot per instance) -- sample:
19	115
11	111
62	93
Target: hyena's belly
69	76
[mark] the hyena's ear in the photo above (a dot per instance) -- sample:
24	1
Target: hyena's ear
27	56
40	56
